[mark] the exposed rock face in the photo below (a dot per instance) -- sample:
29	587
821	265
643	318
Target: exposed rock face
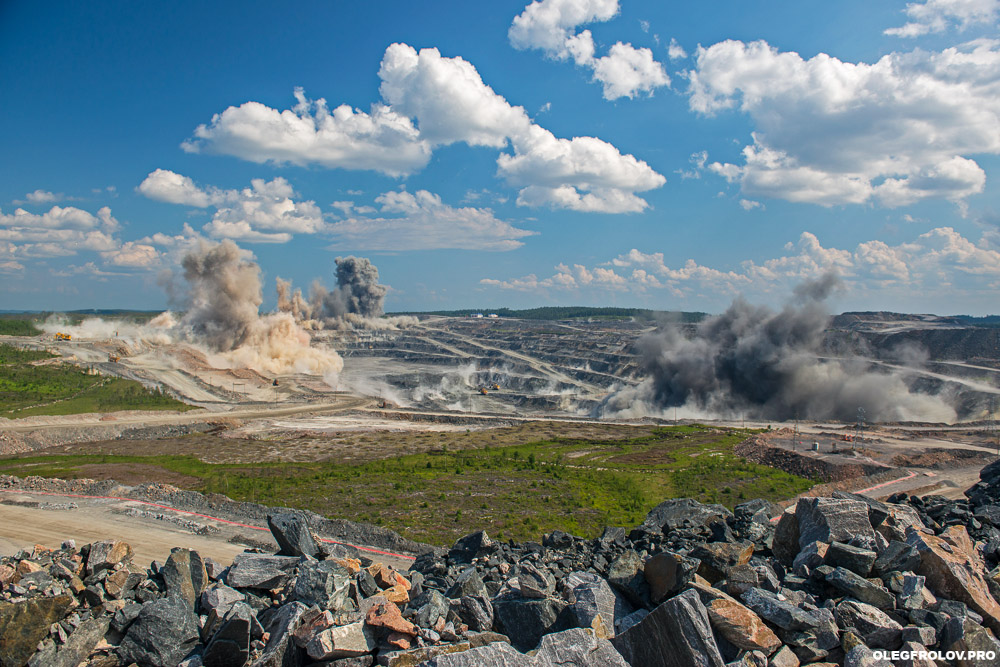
24	624
107	554
836	580
833	520
163	633
741	627
527	620
682	512
322	583
675	634
953	569
184	575
250	570
292	534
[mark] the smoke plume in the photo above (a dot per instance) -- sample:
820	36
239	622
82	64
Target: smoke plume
224	296
356	301
357	292
221	294
768	364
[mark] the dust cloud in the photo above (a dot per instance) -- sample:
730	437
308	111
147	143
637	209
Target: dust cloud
769	365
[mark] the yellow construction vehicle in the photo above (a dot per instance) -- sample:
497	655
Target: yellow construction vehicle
495	386
63	336
113	358
482	390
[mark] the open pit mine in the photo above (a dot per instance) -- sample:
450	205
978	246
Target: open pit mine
159	538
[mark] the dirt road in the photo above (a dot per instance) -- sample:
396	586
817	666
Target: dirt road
30	518
24	527
339	404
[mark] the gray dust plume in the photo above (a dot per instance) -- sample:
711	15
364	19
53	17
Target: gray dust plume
224	294
769	364
358	292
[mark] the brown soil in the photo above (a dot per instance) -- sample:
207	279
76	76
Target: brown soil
346	447
756	449
943	458
136	473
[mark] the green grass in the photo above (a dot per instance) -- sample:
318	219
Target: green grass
520	492
10	354
18	327
63	389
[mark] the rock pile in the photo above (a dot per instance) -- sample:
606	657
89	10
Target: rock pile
833	582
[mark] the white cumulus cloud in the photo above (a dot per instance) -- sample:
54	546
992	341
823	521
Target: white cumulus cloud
266	212
933	16
445	101
830	132
43	197
421	221
65	232
550	25
936	267
309	133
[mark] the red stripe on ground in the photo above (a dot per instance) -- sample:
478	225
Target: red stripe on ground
203	516
870	488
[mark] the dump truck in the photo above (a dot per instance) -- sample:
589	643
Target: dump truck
63	336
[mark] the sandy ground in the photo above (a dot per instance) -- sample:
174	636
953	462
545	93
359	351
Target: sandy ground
152	538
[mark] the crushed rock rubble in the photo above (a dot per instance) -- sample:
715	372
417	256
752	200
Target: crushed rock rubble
835	581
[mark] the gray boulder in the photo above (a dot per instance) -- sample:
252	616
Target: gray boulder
471	546
577	648
185	576
161	635
833	520
322	583
250	570
862	656
873	625
527	620
430	606
468	583
676	512
292	534
79	644
777	612
280	650
626	575
230	645
476	611
592	597
861	589
497	654
675	634
220	599
855	559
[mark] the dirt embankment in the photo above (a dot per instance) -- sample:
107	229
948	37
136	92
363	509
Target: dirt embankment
756	449
221	507
940	459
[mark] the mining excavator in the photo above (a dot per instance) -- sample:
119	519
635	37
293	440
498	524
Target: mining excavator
63	336
483	391
113	358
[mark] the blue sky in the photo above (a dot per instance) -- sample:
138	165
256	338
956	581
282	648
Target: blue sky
602	152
